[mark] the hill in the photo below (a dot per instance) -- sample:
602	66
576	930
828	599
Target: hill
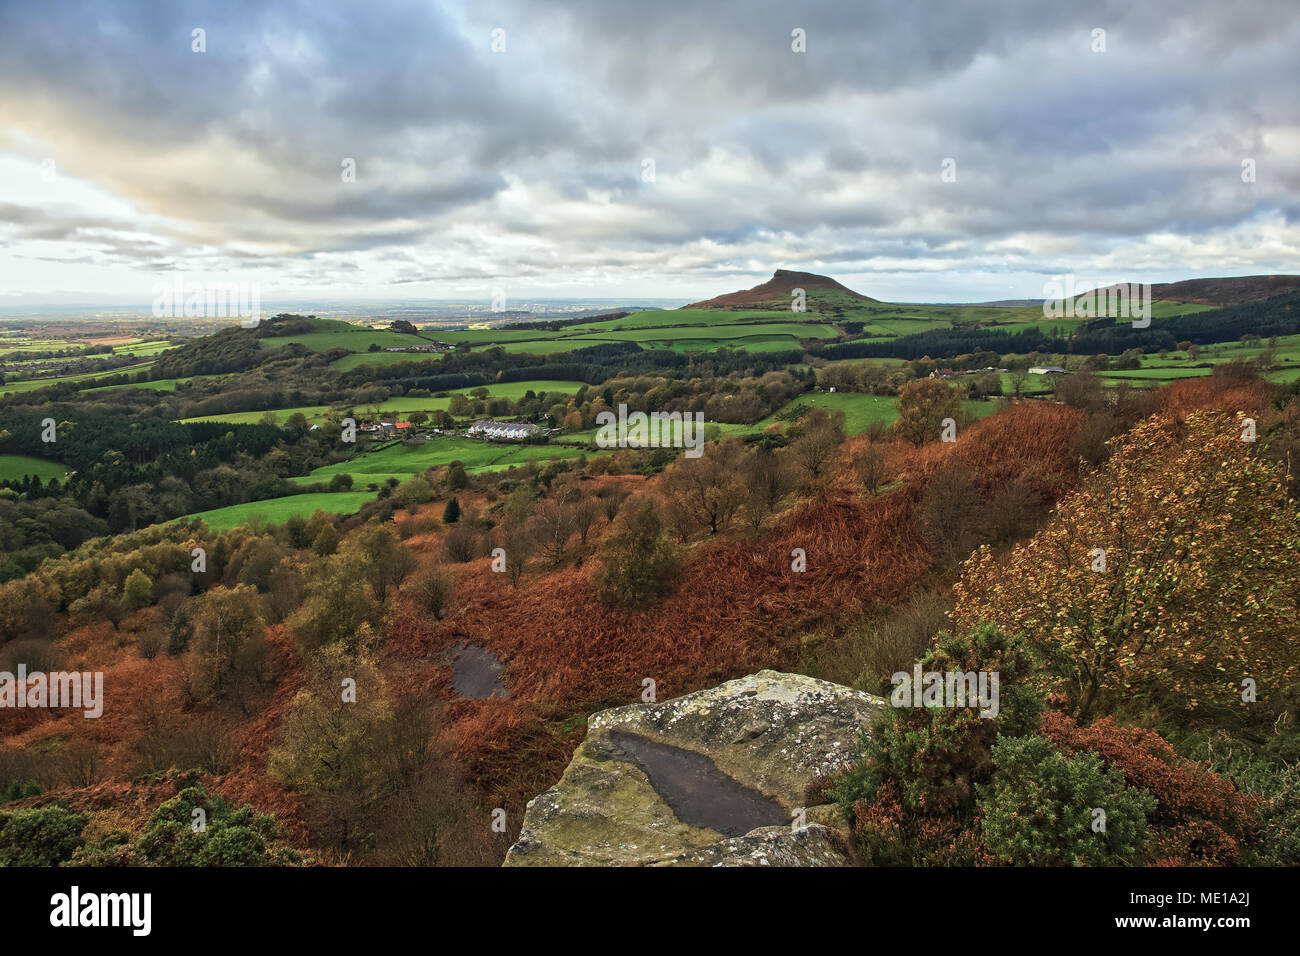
778	290
1224	291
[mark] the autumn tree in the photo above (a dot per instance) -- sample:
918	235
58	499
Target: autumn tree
326	541
949	514
637	561
336	607
586	512
869	464
1171	573
551	528
767	480
517	543
229	644
432	589
101	603
709	489
26	608
137	590
331	747
817	436
376	554
923	405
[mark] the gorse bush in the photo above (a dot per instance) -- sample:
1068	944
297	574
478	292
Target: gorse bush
935	756
227	837
43	836
1045	808
1200	816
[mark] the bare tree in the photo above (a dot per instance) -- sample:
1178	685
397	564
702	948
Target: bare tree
586	512
708	490
869	463
551	527
820	434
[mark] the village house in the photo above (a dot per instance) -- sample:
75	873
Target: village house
434	347
386	429
502	431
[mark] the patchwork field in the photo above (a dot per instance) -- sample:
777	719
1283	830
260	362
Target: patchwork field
15	467
279	510
31	385
400	461
396	407
860	410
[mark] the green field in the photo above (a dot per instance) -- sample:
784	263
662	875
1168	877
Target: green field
395	407
355	339
400	461
32	385
684	330
860	410
1158	374
279	510
142	349
667	318
14	467
158	385
357	359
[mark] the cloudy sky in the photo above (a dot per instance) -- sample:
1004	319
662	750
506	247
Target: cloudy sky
675	148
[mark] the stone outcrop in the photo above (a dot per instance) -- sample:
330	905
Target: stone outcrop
712	778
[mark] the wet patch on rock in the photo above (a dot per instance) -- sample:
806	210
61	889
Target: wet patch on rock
711	778
700	794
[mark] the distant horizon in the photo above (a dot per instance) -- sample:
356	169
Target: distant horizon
21	301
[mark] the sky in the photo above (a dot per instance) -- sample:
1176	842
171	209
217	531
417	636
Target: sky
940	151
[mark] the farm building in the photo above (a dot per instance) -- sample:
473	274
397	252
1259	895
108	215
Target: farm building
1047	370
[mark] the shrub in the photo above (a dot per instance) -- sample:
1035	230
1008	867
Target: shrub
923	404
44	836
1041	807
432	590
413	492
228	837
1200	817
936	755
637	561
451	514
461	544
887	835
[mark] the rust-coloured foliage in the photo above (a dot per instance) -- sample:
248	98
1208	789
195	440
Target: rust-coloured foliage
1200	818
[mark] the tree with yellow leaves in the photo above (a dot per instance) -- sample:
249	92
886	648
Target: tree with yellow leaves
1173	572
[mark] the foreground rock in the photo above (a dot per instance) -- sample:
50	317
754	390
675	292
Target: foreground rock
712	778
